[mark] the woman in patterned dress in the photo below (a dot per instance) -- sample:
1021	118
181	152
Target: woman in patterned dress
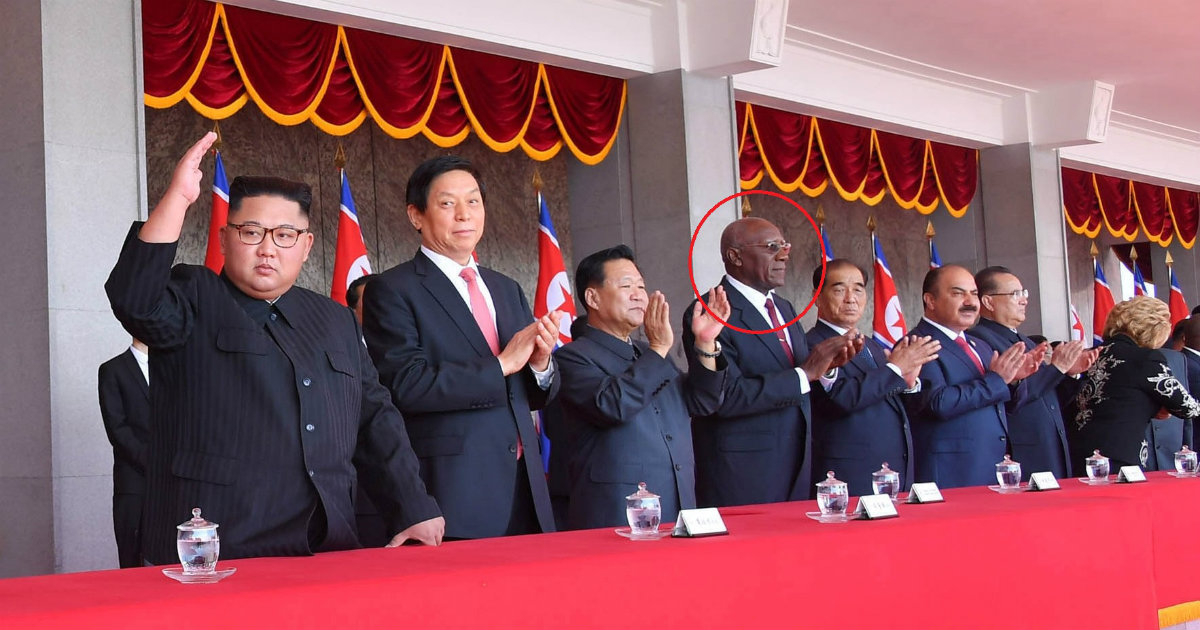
1127	386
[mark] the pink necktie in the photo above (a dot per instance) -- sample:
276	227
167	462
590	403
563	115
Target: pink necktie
962	343
483	318
787	348
479	308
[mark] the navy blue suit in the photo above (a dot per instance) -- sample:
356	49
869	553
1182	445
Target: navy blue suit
463	415
755	448
627	418
861	421
1035	420
959	427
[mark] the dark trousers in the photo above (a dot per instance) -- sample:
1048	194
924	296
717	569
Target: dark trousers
127	522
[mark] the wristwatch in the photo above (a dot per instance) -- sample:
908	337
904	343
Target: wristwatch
709	355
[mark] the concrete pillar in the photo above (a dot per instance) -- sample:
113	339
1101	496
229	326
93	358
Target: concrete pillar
1023	230
71	172
674	160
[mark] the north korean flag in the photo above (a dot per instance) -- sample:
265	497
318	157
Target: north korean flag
888	323
350	262
213	258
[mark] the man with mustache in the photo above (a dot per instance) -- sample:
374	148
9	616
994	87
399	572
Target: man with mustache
757	446
959	426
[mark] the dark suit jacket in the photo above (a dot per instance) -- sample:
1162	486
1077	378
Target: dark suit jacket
259	424
1167	436
628	420
756	447
463	414
861	421
1036	433
1193	385
959	428
125	408
1120	393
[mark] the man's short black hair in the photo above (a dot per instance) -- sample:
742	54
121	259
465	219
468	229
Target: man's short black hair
590	272
416	193
253	186
354	291
986	280
837	263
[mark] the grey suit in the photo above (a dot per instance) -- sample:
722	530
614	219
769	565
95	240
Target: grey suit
627	418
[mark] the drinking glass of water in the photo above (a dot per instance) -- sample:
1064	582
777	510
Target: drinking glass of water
643	510
198	545
1008	474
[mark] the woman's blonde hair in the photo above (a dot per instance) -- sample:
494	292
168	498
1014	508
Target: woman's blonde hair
1144	319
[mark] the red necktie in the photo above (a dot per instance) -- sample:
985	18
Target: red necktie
479	308
787	348
961	340
483	318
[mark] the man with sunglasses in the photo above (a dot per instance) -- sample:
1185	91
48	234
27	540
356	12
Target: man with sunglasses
1037	437
757	446
264	401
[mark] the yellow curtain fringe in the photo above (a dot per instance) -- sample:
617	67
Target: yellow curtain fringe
1178	614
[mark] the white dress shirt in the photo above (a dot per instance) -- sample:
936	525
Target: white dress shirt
452	269
758	300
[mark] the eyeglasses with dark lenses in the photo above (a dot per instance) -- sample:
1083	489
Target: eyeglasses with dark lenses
772	246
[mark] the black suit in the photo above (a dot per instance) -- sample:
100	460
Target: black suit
628	419
1036	433
125	408
259	411
463	414
1119	395
1168	435
756	447
861	421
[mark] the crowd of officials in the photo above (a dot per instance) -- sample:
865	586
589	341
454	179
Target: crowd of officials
302	426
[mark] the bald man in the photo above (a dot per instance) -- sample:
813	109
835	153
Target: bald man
757	446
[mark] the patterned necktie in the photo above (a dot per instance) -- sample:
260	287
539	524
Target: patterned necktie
783	340
479	308
961	340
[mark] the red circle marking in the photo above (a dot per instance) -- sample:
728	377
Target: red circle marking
692	271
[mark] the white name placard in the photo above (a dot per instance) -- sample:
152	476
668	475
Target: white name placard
1040	481
927	492
699	522
1130	474
875	506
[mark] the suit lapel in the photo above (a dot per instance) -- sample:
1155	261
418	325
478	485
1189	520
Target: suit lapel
508	319
743	314
130	365
444	293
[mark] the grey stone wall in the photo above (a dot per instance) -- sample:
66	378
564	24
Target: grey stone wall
378	167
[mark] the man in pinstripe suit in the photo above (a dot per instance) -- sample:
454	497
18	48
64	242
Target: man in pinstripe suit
265	402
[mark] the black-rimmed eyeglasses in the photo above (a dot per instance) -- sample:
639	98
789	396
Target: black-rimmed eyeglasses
283	236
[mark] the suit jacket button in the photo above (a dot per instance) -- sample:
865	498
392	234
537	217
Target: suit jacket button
311	473
668	436
1003	439
307	381
512	448
680	466
310	428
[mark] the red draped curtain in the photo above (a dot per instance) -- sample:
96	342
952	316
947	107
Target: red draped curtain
806	153
1128	208
219	57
